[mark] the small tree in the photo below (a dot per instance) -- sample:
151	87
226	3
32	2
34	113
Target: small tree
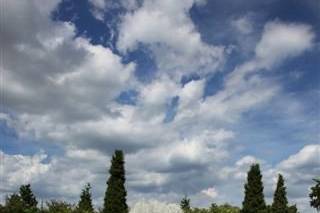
55	206
315	195
254	197
185	204
14	204
292	209
28	197
85	203
280	202
115	197
214	208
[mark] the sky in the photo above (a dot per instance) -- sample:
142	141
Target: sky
192	91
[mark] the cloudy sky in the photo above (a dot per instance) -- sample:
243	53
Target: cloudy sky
193	91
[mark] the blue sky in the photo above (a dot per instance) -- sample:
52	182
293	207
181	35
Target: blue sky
193	90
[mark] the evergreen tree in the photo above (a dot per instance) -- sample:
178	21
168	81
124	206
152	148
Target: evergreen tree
27	196
293	209
14	204
315	196
115	196
85	203
280	202
185	205
214	208
254	197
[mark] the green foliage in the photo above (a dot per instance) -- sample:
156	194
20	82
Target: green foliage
315	195
14	203
85	203
225	208
24	202
29	200
280	202
27	196
185	205
254	197
115	196
2	208
292	209
55	206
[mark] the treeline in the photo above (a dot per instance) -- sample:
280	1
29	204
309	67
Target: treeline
114	200
115	197
254	201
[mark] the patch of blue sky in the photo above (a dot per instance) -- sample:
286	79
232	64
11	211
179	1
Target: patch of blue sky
128	97
11	143
270	131
79	13
187	78
302	73
105	33
146	67
171	110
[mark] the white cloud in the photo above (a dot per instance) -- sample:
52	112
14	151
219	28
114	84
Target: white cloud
166	28
211	192
283	40
245	88
62	90
246	161
191	94
243	25
308	155
74	170
20	169
100	4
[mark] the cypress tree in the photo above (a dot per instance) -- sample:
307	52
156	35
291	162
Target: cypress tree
27	197
315	195
254	198
115	196
280	202
85	203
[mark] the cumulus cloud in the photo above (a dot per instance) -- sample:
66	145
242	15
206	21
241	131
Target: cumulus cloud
245	87
283	40
74	170
166	28
19	169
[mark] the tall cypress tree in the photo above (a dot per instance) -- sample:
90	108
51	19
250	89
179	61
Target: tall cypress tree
280	201
85	203
27	197
254	198
115	197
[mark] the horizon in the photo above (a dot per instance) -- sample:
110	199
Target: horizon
192	91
